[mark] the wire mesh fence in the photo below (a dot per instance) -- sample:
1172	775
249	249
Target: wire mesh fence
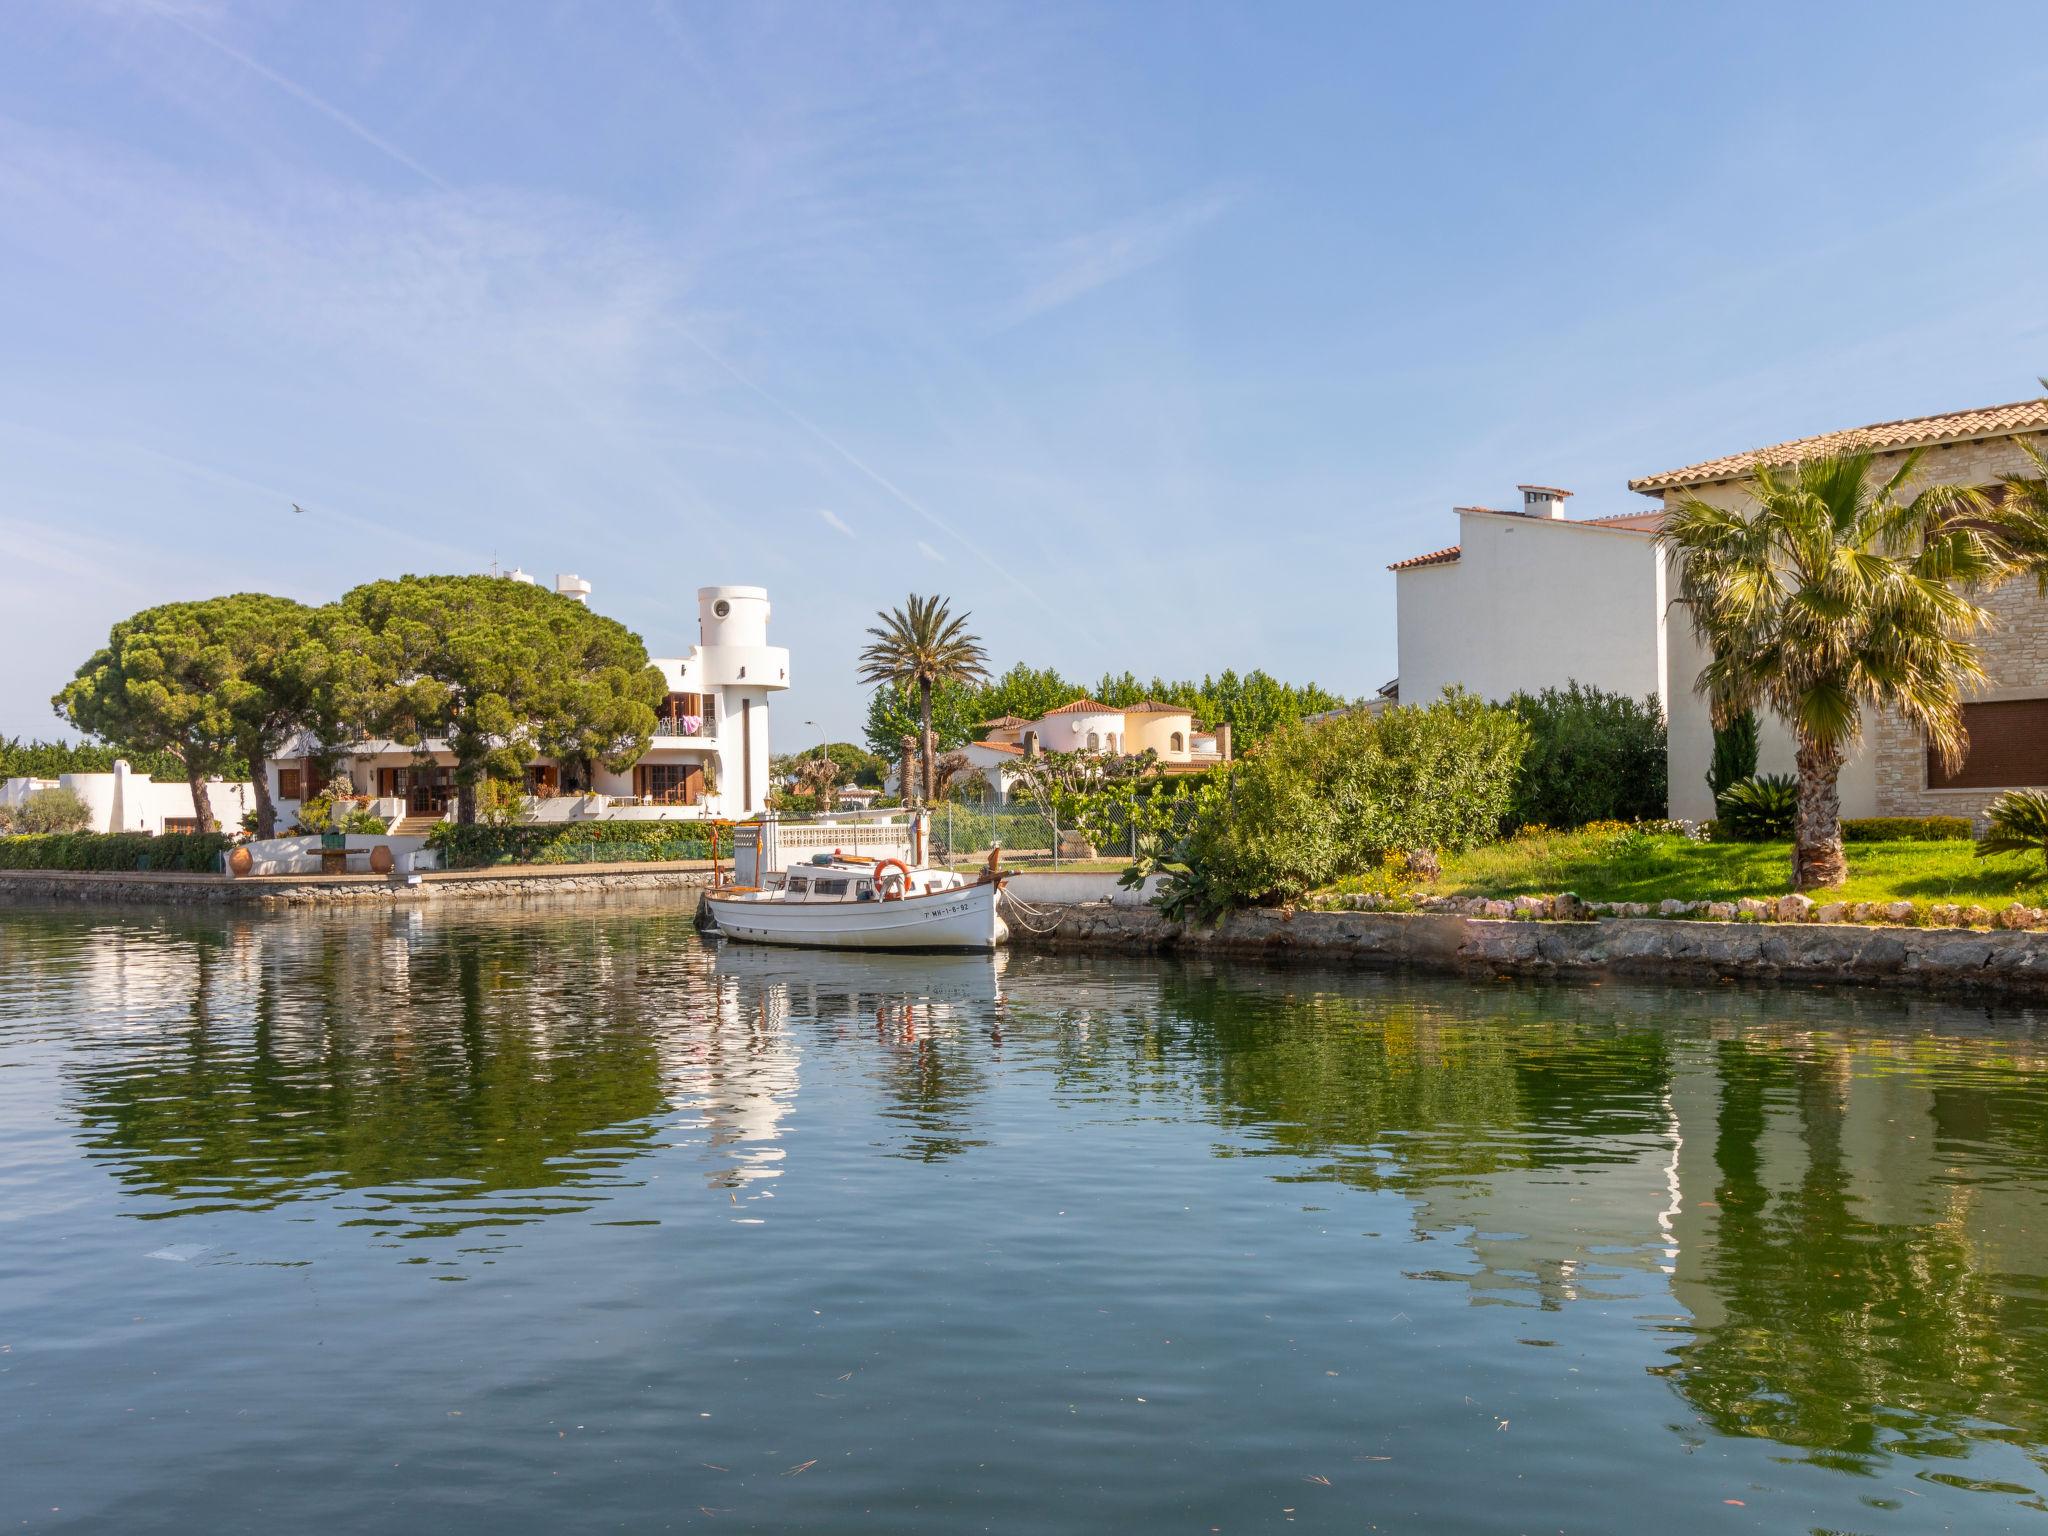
964	830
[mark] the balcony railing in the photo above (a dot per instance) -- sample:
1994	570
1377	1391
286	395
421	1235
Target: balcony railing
686	727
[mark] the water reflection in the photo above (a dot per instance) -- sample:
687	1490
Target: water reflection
1821	1222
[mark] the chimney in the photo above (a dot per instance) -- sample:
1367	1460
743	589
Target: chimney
1223	741
1543	501
574	586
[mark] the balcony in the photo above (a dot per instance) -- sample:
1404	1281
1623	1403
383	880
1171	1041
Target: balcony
685	730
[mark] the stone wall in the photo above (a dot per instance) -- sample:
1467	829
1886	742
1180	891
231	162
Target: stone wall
1937	959
43	886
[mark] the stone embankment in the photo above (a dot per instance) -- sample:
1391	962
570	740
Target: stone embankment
1936	959
269	893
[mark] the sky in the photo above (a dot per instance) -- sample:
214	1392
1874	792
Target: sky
1147	333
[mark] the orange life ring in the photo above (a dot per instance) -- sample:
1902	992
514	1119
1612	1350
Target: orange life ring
882	864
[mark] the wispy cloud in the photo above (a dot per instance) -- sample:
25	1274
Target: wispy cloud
835	521
178	18
1080	265
929	553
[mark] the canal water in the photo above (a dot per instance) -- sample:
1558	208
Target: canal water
546	1219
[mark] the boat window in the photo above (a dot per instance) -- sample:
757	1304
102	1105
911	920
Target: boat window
830	888
864	889
798	885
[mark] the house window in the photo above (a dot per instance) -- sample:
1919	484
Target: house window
669	783
1094	742
682	714
181	824
1178	744
288	784
2008	747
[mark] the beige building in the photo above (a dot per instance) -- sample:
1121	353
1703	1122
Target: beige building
1087	725
1893	773
1531	599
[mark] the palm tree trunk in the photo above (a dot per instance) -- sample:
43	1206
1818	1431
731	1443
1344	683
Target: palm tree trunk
906	769
925	743
266	808
1817	858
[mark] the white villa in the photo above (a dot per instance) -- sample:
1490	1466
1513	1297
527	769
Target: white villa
709	756
1529	598
1088	726
122	800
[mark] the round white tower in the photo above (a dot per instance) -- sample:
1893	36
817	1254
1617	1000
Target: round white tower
736	616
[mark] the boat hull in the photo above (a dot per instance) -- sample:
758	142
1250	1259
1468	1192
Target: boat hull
965	919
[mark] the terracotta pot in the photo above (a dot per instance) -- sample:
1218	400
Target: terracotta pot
380	859
240	862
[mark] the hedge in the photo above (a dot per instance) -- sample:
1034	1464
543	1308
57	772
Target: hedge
189	852
1907	829
585	842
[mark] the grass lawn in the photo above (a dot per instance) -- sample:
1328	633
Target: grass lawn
1595	867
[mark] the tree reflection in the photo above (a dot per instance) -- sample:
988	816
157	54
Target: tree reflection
1835	1332
436	1065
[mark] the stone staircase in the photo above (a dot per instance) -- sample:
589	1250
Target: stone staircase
416	826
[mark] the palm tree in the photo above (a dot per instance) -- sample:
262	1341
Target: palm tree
921	646
818	777
1837	593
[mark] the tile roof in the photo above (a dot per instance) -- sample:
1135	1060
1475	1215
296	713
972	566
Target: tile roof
1648	522
997	746
1154	707
1555	490
1082	707
1445	556
1001	720
1914	432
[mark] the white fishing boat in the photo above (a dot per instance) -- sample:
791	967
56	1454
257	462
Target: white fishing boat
843	901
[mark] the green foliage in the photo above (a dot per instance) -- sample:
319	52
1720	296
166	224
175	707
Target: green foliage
1906	829
337	808
1760	808
21	759
163	683
2019	823
1253	706
892	715
1734	756
1317	803
189	852
592	842
502	670
52	810
1592	756
856	765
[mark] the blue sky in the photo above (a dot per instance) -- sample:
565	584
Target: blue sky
1149	333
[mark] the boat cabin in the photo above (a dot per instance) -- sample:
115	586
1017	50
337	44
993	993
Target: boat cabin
834	877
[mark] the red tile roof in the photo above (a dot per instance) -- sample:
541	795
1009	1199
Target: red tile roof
1154	707
1884	436
1445	556
1648	522
1002	720
997	746
1082	707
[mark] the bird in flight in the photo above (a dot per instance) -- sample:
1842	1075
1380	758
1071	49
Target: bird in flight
297	508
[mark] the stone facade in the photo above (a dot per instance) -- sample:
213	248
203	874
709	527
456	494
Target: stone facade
2015	649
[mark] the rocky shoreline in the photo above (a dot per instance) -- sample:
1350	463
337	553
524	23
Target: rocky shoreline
1951	959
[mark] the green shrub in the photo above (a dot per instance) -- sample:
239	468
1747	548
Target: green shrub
53	810
1760	809
1734	756
189	852
1316	803
576	842
2019	823
1906	829
1592	756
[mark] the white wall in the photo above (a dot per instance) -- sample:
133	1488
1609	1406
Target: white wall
1533	603
124	801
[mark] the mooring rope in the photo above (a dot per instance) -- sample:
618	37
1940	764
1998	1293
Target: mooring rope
1024	914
